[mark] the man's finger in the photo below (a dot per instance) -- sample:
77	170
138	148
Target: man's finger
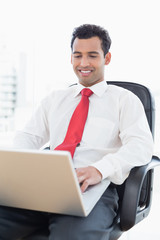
84	185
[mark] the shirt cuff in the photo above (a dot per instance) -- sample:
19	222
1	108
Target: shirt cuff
100	167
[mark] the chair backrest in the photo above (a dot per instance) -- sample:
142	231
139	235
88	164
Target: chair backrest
147	100
144	95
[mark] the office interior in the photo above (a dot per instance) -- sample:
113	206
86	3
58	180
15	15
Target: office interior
35	59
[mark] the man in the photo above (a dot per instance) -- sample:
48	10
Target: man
115	139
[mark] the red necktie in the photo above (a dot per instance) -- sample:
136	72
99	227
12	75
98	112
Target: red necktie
77	123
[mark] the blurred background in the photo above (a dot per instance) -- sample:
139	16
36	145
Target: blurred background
35	59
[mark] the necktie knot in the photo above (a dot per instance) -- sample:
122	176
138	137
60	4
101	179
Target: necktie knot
86	92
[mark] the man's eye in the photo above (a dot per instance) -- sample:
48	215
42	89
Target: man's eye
77	56
93	56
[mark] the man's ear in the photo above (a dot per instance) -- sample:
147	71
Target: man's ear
107	58
71	58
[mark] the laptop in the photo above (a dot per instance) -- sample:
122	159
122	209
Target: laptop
45	181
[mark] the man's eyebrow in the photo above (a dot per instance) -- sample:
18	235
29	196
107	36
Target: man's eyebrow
91	52
76	52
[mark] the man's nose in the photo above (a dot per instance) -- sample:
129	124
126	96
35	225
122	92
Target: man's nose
84	62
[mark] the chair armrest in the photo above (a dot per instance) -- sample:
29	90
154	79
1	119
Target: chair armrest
131	211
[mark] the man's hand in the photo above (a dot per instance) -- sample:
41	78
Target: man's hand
88	176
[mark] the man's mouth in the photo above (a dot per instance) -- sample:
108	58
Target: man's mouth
85	73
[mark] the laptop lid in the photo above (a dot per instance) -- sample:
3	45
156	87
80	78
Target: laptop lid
43	181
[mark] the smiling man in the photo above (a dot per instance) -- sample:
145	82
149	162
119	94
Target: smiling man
90	55
115	138
88	60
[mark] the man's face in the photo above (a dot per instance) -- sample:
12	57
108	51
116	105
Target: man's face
88	60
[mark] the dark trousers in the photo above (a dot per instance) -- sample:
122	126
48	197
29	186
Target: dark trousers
16	224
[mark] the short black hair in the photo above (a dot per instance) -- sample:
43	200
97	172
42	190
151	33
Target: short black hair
87	31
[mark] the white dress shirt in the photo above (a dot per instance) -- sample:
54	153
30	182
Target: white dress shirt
116	136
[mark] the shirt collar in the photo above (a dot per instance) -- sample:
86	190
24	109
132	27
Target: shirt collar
97	89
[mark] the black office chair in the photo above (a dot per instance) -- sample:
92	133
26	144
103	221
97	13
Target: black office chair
135	194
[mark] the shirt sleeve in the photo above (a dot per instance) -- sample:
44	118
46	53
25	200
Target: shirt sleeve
36	133
136	139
